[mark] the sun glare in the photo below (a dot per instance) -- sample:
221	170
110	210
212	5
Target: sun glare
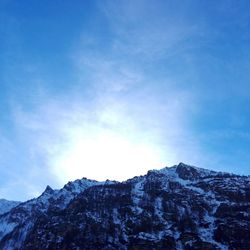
105	156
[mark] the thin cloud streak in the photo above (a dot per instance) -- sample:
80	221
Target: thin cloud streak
144	29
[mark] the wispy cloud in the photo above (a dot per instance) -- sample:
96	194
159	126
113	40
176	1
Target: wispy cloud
148	30
58	131
117	105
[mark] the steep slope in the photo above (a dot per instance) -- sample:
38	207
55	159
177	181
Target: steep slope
15	225
6	206
182	207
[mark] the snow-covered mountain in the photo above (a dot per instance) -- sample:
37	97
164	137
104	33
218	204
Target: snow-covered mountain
181	207
6	206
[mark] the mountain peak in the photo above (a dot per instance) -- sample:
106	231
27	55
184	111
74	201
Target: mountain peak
48	190
79	184
186	172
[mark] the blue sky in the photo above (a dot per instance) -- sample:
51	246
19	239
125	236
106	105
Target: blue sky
111	89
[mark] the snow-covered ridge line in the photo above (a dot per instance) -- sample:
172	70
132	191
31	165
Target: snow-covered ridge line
60	198
79	185
178	198
6	205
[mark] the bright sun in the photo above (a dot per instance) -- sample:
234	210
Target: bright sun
106	155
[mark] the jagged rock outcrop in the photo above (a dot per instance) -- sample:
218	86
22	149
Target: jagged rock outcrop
181	207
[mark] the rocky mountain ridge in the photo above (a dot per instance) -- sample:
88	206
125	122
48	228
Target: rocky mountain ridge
181	207
6	206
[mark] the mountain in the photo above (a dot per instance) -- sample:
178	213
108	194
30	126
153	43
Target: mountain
6	206
181	207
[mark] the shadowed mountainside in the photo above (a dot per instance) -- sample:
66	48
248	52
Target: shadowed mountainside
181	207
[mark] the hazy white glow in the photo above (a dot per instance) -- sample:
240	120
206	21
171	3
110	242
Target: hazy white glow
105	156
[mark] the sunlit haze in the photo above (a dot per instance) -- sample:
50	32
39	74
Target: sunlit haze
112	89
106	156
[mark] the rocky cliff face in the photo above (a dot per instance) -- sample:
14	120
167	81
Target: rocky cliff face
181	207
